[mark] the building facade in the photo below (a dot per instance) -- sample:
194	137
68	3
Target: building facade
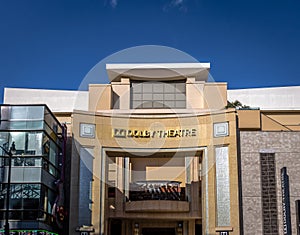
157	151
36	190
269	155
151	146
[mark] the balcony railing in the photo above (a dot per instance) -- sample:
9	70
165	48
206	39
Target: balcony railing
156	190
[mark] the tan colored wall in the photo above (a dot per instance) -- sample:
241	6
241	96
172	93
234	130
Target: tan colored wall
215	95
204	138
158	168
194	94
281	120
122	90
249	119
269	120
99	97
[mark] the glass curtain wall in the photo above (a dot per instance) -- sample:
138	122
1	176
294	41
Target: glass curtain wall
37	138
158	95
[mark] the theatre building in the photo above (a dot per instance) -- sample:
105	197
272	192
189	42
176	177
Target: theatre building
156	151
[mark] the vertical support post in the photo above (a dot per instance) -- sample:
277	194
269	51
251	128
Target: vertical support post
8	195
188	177
126	177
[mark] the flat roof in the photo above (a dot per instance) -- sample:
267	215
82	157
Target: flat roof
56	100
158	71
276	98
270	98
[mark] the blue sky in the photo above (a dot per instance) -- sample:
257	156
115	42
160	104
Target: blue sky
53	44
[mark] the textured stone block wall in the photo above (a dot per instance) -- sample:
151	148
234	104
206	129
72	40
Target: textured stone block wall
286	146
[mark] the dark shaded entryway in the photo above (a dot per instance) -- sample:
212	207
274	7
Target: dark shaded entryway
158	231
116	227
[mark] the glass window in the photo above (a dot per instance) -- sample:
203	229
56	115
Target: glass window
34	144
19	138
26	143
169	103
4	142
137	96
180	104
159	95
158	104
147	105
169	87
5	112
27	112
169	96
158	88
180	87
52	122
28	201
137	87
147	87
147	96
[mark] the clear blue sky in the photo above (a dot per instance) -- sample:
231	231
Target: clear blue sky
52	44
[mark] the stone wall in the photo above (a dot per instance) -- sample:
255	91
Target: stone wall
286	147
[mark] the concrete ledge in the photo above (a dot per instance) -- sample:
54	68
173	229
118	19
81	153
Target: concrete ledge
157	206
224	228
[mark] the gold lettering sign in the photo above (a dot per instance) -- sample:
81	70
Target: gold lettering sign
169	133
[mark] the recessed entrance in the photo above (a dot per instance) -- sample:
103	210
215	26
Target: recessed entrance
158	231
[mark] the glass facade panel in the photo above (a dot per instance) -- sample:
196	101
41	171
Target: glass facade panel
137	96
26	112
137	87
147	104
158	96
158	88
158	104
180	87
149	95
169	103
28	201
180	96
169	96
21	125
20	139
180	104
52	122
34	145
26	143
169	87
5	112
137	104
147	88
36	135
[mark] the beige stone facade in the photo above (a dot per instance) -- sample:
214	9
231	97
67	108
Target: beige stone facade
157	170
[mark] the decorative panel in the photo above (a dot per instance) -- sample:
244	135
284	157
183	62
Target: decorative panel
87	130
222	186
221	129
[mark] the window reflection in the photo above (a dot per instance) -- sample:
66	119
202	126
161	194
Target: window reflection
36	133
29	201
32	149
